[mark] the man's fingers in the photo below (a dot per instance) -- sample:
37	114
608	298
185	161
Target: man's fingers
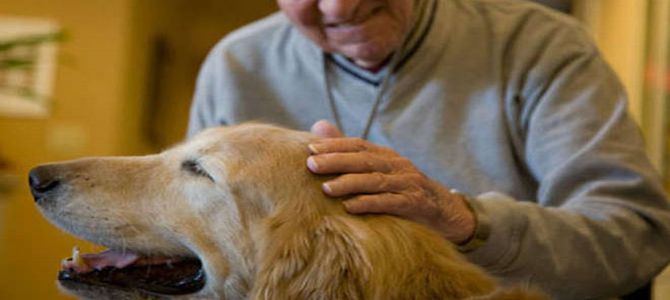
385	203
325	129
367	183
337	163
344	144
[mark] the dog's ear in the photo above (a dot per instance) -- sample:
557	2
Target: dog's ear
314	258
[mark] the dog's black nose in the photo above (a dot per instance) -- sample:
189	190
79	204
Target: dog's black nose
41	182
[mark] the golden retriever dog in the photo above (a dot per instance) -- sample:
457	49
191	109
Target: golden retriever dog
234	213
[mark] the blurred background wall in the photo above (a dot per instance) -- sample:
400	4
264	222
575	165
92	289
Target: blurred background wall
124	79
123	83
88	116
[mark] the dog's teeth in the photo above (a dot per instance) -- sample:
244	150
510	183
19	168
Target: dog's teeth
76	258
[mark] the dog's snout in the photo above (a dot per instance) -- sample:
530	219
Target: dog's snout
42	181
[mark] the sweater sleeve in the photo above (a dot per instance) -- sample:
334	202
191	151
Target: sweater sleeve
600	225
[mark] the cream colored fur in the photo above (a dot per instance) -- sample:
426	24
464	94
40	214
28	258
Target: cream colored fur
262	227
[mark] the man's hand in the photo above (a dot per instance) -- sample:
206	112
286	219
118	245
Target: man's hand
379	180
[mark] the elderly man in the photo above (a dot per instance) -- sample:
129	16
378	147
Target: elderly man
494	122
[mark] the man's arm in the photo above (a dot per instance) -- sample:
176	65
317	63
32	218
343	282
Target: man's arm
599	226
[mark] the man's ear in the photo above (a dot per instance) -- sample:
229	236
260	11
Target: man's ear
326	129
316	259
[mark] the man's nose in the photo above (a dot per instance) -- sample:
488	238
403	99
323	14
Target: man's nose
335	11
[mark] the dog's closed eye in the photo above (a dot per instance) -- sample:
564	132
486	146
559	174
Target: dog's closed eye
193	167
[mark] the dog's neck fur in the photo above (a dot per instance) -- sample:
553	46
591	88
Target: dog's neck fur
292	252
356	252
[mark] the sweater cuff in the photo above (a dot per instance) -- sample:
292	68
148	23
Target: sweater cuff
506	228
482	227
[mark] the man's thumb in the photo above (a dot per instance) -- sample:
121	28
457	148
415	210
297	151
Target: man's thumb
326	129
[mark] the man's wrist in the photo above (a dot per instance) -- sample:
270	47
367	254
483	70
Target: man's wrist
481	230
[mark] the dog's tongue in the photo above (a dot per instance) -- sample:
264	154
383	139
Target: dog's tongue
97	261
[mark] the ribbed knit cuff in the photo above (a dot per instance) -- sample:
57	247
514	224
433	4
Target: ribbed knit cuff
482	227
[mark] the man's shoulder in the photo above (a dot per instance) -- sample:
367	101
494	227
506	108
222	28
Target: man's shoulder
525	21
263	42
515	11
516	7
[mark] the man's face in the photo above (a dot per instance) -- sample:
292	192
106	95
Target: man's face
365	31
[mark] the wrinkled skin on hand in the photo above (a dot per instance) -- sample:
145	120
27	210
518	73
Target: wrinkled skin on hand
376	179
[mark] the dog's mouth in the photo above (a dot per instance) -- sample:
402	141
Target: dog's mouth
154	275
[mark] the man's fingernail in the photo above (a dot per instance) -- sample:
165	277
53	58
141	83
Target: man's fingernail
314	149
311	164
327	188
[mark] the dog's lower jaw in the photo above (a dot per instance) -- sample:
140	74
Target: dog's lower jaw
102	293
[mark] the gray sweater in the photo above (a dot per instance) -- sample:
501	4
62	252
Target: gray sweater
503	100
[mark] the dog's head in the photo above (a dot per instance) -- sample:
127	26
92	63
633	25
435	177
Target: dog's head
191	217
234	214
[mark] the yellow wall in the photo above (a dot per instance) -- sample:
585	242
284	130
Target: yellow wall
101	108
633	38
188	30
619	28
622	36
87	108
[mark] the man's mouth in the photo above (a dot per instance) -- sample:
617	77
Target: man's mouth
154	275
